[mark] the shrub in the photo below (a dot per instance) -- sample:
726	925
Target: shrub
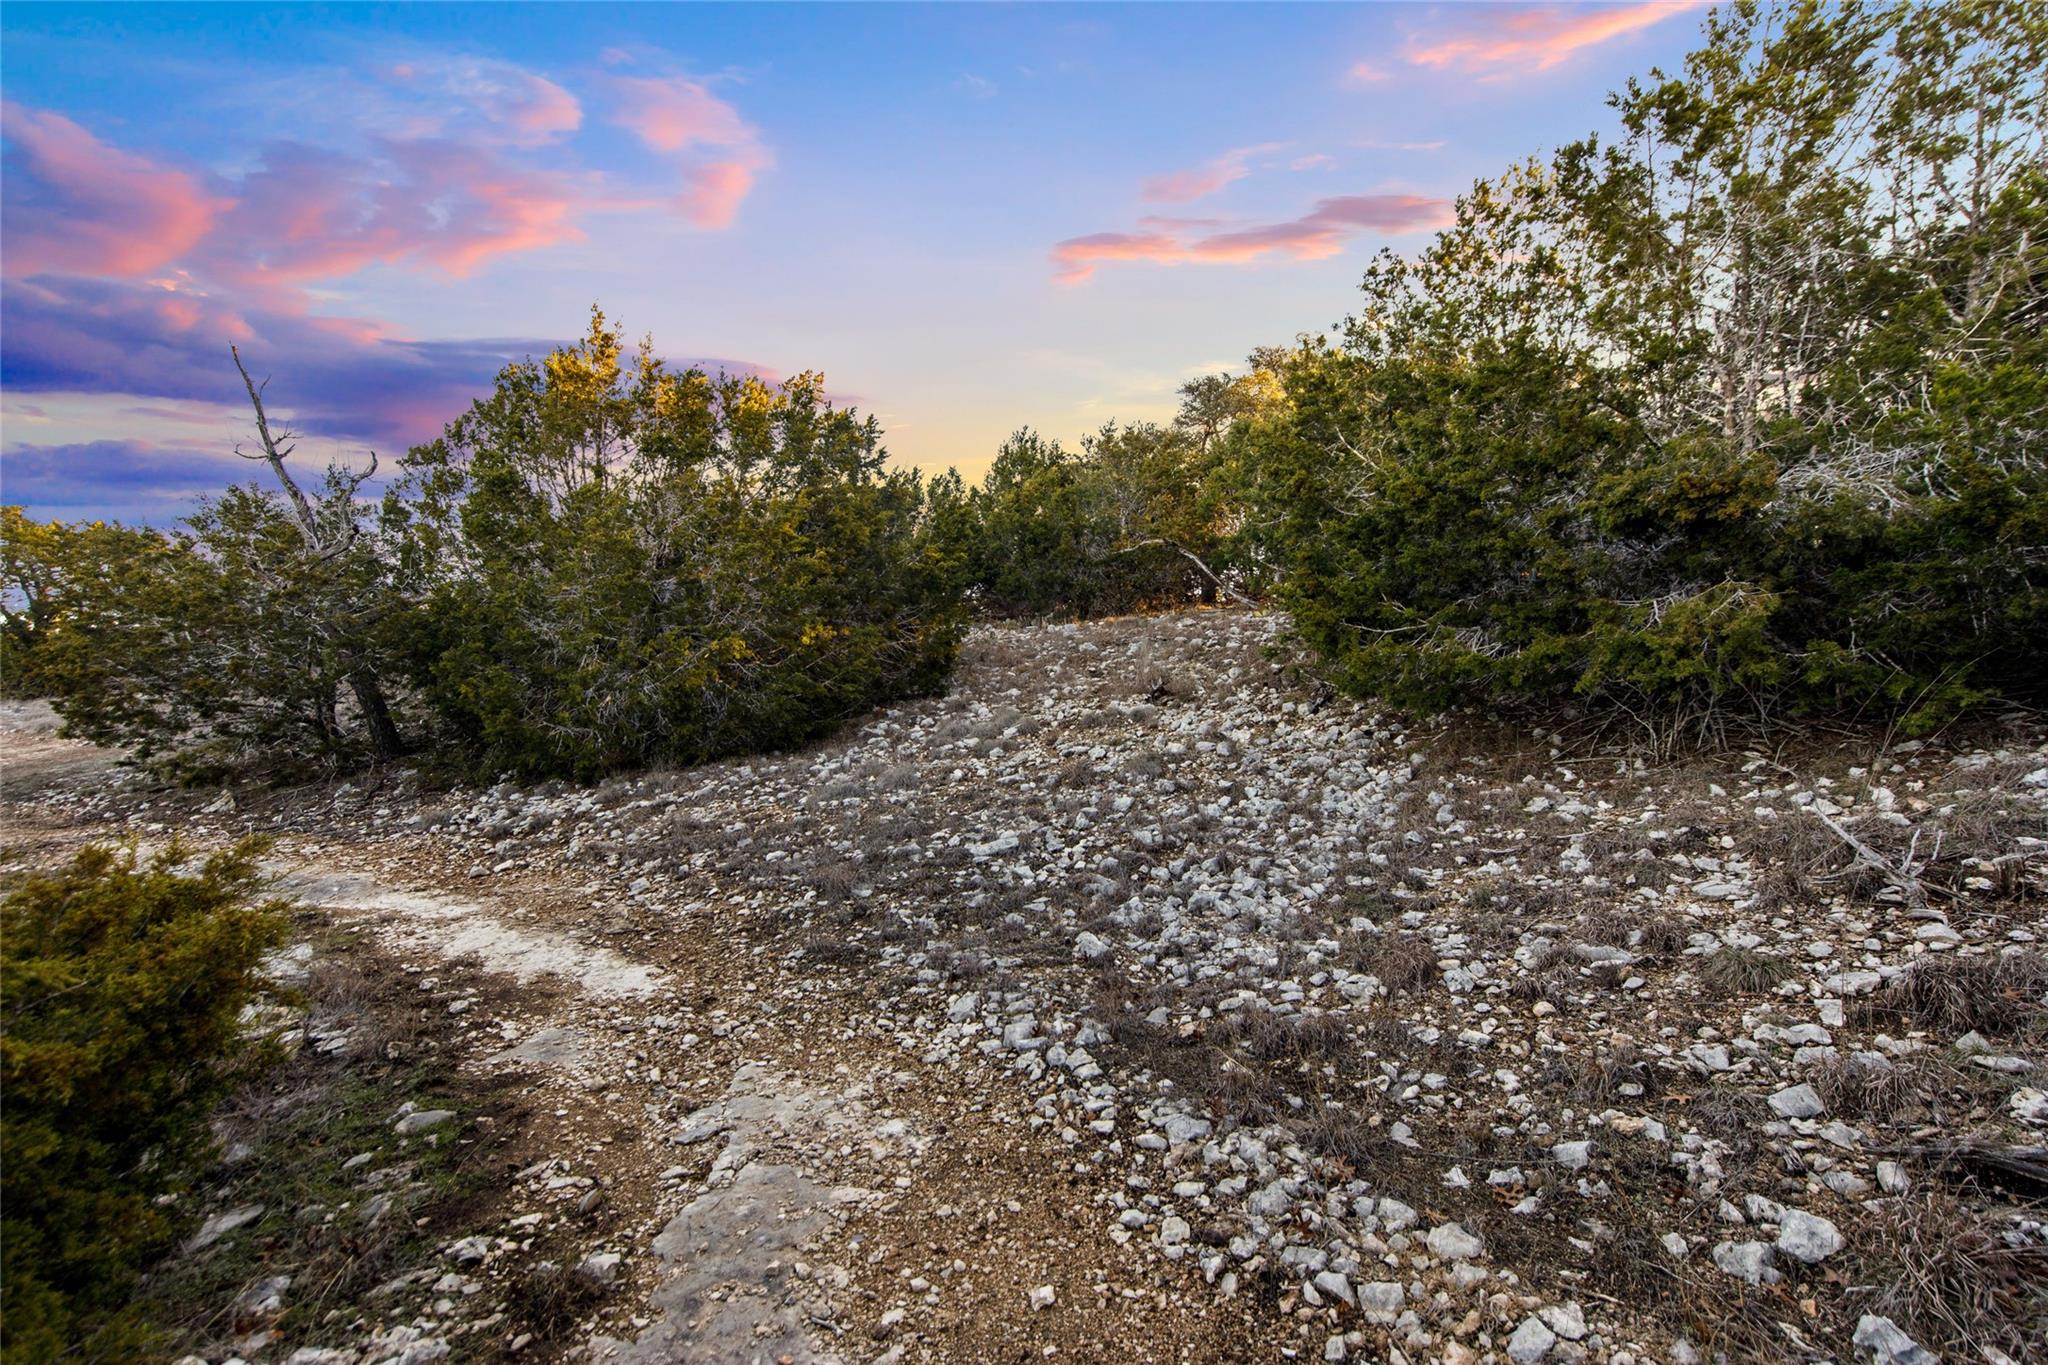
123	983
604	564
1106	530
1737	415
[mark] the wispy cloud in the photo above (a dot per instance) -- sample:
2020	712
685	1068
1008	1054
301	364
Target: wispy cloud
487	99
1180	187
719	153
1494	41
1377	145
980	87
1320	233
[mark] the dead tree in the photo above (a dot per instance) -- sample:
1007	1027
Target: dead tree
327	538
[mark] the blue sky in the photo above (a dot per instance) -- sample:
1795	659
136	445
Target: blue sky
970	218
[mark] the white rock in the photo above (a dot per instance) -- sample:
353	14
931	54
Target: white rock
2030	1106
1531	1342
1888	1345
1800	1101
1568	1320
1808	1237
1334	1285
1450	1242
1042	1297
421	1120
1749	1262
1573	1156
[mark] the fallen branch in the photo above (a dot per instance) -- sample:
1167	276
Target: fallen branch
2026	1164
1901	876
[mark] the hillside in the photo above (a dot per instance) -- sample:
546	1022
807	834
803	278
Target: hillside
1136	995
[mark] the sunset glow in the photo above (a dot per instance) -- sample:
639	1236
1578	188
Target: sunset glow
970	219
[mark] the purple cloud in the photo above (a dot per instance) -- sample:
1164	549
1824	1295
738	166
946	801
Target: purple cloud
138	482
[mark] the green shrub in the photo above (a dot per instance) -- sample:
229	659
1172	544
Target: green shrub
1106	530
1741	415
121	984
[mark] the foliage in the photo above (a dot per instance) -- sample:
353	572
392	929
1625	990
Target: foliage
1121	525
1744	410
603	564
613	564
206	647
124	980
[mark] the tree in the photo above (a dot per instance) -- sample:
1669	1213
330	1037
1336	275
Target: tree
330	532
615	564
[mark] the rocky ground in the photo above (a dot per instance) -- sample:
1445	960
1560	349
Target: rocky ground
1139	999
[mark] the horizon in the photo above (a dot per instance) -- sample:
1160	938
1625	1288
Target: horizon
922	203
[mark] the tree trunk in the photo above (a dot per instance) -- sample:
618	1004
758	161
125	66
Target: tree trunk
385	740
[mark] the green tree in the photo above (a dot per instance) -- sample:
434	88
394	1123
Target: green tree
616	564
1742	410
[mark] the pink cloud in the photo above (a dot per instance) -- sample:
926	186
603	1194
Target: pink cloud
1495	40
673	113
74	204
1368	73
712	194
1320	233
544	110
679	118
306	214
1179	187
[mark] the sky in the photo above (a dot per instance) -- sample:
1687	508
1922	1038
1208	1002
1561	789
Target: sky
970	218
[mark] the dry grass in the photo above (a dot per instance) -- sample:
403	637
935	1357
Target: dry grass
1998	996
1404	963
1744	971
1950	1278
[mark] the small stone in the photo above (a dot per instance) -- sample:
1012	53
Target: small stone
1450	1242
1749	1262
1090	946
1042	1297
1382	1296
1892	1178
1568	1320
1573	1156
221	1224
600	1267
1800	1101
2030	1106
1888	1345
1531	1342
1808	1237
1334	1285
419	1121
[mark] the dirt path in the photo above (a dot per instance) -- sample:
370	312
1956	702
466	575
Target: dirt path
783	1175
